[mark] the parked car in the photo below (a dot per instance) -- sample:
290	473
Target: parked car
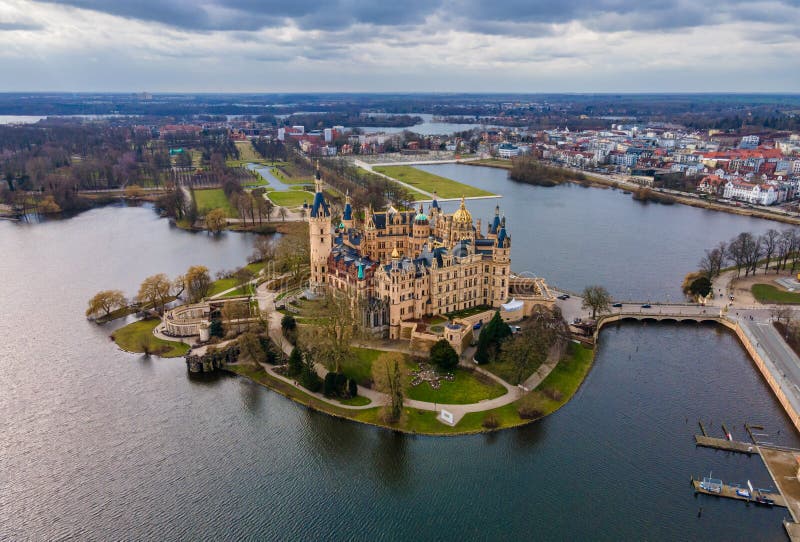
617	305
563	297
646	306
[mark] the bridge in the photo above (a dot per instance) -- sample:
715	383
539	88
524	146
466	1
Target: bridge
777	362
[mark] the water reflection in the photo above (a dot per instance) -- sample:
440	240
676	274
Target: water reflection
391	460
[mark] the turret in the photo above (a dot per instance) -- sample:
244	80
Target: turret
347	215
495	224
320	241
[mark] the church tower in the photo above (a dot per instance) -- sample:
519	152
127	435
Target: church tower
320	242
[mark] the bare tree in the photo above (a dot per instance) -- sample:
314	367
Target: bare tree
769	243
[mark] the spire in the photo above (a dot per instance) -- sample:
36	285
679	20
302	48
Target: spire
494	225
318	179
435	202
348	209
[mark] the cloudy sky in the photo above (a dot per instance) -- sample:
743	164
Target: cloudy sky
400	45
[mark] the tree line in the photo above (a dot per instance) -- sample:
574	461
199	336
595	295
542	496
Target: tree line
747	252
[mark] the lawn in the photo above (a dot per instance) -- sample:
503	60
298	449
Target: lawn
247	152
214	198
134	337
359	366
428	182
465	313
291	198
766	293
221	285
492	162
562	382
508	371
468	387
356	401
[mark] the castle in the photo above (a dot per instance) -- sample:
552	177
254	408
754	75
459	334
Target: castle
406	265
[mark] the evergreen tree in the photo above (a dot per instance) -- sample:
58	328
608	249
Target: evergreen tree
443	355
492	334
295	362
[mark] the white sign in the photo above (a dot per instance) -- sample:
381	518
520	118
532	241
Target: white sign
447	417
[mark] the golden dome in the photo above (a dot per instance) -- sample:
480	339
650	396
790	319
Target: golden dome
395	254
462	216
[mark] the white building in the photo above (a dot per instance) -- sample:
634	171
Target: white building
507	150
758	194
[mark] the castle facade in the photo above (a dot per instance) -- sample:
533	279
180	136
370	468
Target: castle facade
407	265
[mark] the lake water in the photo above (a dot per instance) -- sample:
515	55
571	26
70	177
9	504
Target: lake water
104	445
575	236
426	127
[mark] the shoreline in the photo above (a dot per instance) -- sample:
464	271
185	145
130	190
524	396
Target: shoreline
598	181
366	416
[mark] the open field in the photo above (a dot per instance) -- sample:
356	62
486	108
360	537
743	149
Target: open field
138	335
491	162
767	293
291	198
247	152
214	198
428	182
468	387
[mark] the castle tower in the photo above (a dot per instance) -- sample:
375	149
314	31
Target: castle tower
347	215
421	230
320	242
462	227
501	265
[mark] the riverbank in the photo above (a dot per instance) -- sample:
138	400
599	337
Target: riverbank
555	391
597	180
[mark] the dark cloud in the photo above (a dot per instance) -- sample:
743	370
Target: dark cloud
524	18
207	15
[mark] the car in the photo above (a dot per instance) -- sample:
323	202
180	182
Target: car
617	305
563	297
646	306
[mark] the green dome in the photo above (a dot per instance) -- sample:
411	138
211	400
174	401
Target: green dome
421	217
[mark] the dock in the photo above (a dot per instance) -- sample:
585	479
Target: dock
729	492
725	444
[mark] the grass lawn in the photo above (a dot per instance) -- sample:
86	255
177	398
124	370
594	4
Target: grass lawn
214	198
445	188
468	312
242	290
359	366
291	198
468	387
135	336
221	285
356	401
255	267
492	162
247	152
562	383
508	372
766	293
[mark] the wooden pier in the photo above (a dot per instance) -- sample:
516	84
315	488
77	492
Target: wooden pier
725	444
729	492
